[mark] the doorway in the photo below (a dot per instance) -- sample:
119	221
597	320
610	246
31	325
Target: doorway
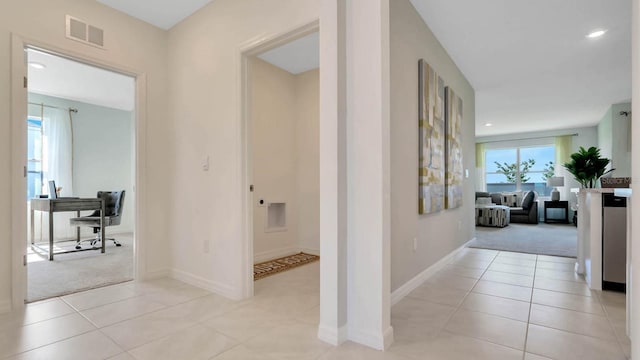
81	136
282	134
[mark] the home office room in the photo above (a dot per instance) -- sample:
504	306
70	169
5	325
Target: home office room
80	156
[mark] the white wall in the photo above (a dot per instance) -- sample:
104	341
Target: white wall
284	115
102	152
130	44
308	159
204	107
614	139
605	134
437	234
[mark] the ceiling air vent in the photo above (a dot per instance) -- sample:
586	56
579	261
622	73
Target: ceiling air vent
79	30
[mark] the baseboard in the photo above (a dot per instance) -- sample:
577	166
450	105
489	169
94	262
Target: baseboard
275	253
310	251
331	335
155	274
419	279
5	306
375	341
213	286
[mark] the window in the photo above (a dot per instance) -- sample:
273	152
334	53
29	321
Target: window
34	157
519	168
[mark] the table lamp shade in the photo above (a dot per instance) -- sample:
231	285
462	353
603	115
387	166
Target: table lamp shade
554	182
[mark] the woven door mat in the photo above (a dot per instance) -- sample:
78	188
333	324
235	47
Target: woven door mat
275	266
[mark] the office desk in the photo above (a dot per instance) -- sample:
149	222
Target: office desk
61	205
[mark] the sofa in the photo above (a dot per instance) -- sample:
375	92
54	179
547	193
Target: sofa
523	207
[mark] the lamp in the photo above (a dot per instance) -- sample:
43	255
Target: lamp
554	182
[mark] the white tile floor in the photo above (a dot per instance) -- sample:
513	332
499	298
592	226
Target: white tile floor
484	305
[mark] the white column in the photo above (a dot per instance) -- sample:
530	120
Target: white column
333	174
368	156
635	176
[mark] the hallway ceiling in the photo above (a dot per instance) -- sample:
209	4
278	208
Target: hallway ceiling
297	56
161	13
530	62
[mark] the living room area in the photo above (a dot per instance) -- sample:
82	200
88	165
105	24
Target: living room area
526	199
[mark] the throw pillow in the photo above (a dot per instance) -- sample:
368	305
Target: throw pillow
483	201
509	200
527	202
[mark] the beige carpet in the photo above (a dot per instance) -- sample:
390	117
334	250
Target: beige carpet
74	272
275	266
541	239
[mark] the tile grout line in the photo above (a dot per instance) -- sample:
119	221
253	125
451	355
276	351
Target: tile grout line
526	334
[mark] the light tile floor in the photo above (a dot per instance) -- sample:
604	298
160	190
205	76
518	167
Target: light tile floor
484	305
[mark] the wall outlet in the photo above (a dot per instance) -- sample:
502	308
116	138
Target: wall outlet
415	244
205	246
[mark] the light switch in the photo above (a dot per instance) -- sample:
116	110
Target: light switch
205	163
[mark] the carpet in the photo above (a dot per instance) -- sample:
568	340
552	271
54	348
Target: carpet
74	272
275	266
542	239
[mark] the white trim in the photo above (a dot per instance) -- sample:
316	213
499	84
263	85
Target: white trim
275	253
373	340
310	251
197	281
331	335
5	306
419	279
18	156
244	51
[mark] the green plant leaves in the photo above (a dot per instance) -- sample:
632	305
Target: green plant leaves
587	166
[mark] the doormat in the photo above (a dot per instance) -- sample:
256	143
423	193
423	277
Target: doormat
275	266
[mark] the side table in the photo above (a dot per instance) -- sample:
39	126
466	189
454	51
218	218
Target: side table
556	205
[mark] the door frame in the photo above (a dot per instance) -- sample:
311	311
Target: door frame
18	146
245	52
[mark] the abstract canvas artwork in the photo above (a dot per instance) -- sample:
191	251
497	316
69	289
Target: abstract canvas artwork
453	154
431	154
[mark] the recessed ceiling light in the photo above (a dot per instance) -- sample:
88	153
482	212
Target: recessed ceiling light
37	65
596	33
488	124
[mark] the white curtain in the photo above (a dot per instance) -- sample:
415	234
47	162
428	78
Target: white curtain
58	165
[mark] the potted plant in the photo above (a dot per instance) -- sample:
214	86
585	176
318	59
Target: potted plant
587	166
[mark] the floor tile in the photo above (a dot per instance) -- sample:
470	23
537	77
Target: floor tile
473	264
448	346
294	340
29	337
557	259
241	352
512	309
353	351
515	261
572	321
508	278
451	281
530	356
503	290
570	287
35	312
92	345
555	266
487	327
557	344
110	314
245	322
513	269
588	304
559	275
439	294
516	255
197	342
462	271
311	316
173	296
132	333
97	297
416	320
122	356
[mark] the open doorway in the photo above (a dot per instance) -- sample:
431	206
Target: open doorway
283	132
80	154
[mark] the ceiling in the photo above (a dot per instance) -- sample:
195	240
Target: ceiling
72	80
297	56
530	62
161	13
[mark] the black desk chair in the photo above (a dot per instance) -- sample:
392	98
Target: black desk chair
113	203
